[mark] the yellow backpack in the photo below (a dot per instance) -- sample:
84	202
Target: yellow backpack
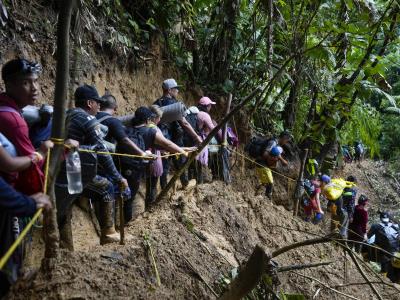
334	189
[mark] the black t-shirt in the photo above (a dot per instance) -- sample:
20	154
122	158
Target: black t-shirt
116	130
171	131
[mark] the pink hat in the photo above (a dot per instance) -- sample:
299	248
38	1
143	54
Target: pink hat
206	101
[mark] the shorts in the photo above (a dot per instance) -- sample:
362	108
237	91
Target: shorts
264	175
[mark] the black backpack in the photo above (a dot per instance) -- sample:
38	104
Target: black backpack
389	241
136	136
188	141
257	146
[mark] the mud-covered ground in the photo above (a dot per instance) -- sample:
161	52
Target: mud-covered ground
198	237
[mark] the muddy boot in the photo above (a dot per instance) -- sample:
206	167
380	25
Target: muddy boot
108	233
65	228
66	240
268	190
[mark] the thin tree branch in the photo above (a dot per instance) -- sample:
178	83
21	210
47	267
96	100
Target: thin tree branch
325	285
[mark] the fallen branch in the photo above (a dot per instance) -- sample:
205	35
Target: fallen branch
250	275
316	241
362	273
301	267
204	144
190	265
147	244
325	285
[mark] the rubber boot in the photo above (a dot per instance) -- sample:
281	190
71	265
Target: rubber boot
65	229
268	190
108	233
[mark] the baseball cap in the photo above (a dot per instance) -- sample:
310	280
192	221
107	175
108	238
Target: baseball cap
325	178
142	114
275	151
206	101
170	84
19	67
87	92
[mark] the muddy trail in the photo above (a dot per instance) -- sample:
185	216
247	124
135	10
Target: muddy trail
198	239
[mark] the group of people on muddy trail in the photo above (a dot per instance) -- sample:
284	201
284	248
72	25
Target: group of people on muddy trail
381	243
149	144
354	153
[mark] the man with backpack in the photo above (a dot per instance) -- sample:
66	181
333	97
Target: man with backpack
266	161
147	138
349	202
174	130
116	130
267	152
358	151
387	238
83	126
333	190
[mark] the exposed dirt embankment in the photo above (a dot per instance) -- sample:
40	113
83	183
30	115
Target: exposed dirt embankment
135	79
203	233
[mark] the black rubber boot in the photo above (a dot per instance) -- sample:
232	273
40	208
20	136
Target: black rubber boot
268	190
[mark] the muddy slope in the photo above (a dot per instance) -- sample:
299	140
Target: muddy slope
197	237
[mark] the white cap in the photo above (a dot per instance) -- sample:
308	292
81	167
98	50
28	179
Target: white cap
169	84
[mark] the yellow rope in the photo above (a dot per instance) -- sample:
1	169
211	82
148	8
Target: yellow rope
22	235
129	155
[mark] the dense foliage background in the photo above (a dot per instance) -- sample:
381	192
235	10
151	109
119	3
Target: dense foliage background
329	69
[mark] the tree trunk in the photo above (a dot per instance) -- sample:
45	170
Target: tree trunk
51	234
299	187
270	38
221	50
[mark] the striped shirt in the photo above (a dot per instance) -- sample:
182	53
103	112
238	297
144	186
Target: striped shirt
86	130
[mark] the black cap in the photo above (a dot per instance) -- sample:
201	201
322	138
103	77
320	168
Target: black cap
19	66
87	92
142	114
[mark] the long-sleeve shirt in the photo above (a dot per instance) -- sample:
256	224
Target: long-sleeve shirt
360	220
15	203
85	129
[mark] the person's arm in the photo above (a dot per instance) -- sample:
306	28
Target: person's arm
161	141
284	161
318	203
188	128
364	221
10	164
18	204
117	131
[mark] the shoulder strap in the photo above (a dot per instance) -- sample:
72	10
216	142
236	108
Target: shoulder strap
73	115
9	109
104	118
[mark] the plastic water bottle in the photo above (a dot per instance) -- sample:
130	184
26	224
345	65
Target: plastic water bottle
73	164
